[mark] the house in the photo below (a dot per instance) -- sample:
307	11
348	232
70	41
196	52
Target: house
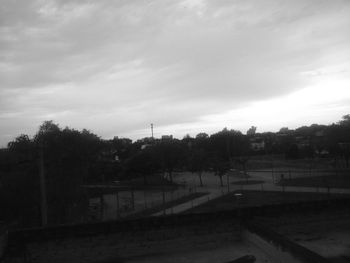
302	142
167	137
257	144
144	146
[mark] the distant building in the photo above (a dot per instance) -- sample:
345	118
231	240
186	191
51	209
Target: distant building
302	142
144	146
167	137
109	156
257	144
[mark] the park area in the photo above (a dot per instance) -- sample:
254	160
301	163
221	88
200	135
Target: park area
338	179
252	198
287	181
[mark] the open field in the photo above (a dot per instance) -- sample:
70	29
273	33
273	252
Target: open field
276	161
247	198
160	207
279	161
248	182
327	181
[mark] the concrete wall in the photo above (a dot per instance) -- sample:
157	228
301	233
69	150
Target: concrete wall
279	247
274	250
3	243
109	243
109	240
113	247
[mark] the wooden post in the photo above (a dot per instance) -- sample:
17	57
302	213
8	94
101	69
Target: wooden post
118	215
42	187
272	171
101	205
310	170
172	200
289	173
132	199
144	198
163	201
328	191
228	183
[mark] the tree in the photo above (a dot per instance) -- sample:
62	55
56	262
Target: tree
170	153
198	163
229	144
202	135
19	183
220	167
121	146
292	152
144	163
284	130
69	156
251	131
22	148
345	120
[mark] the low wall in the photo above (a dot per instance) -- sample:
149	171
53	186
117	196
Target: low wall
3	242
280	248
109	241
110	237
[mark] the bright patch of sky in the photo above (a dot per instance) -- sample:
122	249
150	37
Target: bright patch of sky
190	66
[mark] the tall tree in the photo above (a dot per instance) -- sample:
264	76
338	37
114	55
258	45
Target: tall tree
198	163
171	155
144	163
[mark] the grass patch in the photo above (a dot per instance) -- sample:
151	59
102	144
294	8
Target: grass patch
331	181
249	182
154	179
159	208
257	198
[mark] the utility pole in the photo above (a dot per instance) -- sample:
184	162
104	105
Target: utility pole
228	182
152	130
42	186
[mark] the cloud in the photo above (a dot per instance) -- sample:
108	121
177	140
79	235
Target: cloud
115	66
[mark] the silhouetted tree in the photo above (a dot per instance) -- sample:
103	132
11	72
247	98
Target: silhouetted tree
198	163
251	131
144	163
171	155
220	167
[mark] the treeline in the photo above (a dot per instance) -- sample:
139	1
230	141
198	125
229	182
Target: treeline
70	158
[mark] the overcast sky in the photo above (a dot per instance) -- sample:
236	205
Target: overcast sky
114	67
